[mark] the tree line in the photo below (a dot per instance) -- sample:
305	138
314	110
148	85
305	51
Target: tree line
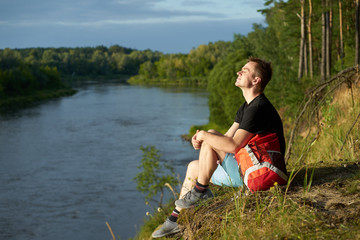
18	78
23	71
305	40
190	69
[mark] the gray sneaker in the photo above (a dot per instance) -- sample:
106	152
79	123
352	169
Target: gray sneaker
192	198
167	228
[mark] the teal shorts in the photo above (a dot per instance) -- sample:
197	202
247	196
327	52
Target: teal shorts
227	173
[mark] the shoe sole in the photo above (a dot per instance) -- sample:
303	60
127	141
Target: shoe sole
176	230
192	206
183	206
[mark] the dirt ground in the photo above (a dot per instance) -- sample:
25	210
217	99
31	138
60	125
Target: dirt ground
335	192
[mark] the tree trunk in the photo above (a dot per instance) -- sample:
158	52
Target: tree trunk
328	46
329	40
310	41
323	44
357	32
302	42
305	58
341	34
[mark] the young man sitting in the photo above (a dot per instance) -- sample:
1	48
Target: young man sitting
257	115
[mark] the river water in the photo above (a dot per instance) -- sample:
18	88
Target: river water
67	165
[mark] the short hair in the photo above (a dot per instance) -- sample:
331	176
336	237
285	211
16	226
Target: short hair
263	70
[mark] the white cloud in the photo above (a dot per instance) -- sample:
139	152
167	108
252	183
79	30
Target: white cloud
228	9
99	13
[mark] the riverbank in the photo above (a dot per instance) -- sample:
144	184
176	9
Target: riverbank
17	102
118	78
11	103
184	81
327	206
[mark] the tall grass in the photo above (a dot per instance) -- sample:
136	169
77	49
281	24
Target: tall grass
336	136
267	216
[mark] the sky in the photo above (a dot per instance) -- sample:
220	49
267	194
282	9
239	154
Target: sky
168	26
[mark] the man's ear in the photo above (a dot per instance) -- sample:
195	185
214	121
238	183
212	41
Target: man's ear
257	80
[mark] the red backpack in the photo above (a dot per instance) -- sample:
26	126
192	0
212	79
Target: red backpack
261	163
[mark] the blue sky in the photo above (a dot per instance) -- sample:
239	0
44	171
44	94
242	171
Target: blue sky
169	26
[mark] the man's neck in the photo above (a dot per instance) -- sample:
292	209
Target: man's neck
250	94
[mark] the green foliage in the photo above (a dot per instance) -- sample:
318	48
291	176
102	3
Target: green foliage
224	97
18	78
84	61
153	177
183	69
25	72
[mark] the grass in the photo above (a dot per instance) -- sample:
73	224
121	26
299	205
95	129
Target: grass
153	220
328	209
268	215
336	131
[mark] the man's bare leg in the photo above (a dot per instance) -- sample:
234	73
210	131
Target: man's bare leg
207	164
192	174
170	226
201	170
208	158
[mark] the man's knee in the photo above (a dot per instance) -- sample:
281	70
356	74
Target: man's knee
215	132
193	166
206	147
219	155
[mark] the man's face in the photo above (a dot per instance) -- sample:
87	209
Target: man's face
246	76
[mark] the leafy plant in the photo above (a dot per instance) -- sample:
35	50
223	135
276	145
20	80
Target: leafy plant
153	177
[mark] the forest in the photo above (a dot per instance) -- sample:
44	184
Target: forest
306	41
23	71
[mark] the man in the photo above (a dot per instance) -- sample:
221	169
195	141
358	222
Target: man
257	115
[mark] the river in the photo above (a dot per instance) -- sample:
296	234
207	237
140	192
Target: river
67	165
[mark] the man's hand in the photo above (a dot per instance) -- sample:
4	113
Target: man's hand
195	142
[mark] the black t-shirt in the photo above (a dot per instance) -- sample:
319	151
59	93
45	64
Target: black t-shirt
260	116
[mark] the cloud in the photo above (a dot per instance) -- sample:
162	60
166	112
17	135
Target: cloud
115	12
164	25
197	2
164	37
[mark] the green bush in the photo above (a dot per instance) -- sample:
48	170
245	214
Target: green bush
153	177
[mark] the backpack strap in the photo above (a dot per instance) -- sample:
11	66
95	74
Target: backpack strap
254	159
258	166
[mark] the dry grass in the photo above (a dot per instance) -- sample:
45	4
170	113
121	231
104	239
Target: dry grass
335	134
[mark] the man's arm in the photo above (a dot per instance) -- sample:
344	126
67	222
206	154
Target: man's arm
230	133
226	143
232	130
